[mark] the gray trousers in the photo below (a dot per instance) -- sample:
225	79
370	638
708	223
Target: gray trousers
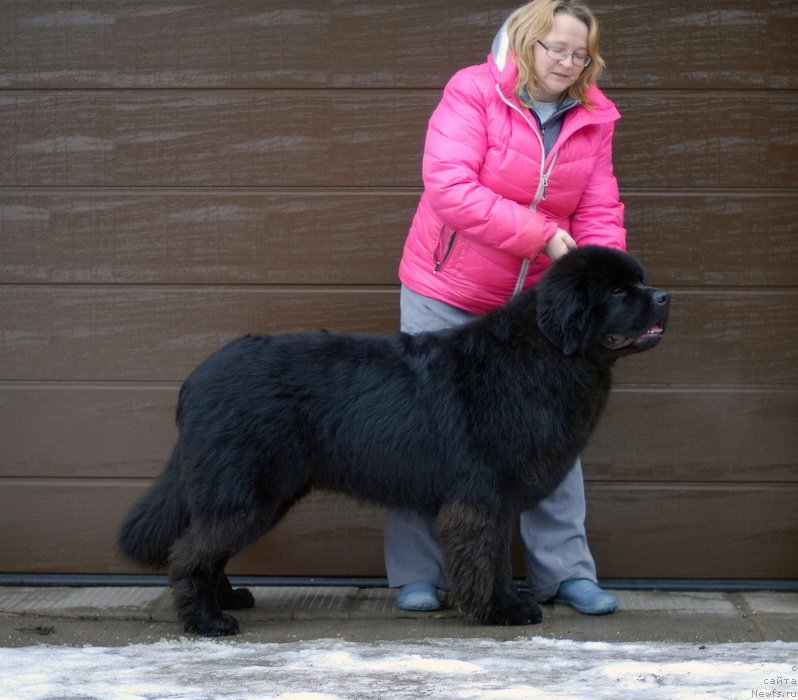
553	535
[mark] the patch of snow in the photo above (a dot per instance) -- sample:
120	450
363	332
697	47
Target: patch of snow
468	669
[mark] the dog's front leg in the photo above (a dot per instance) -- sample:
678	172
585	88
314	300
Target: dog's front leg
476	548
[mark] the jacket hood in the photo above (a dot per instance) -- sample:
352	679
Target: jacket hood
502	61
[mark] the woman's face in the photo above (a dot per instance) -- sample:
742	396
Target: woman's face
555	77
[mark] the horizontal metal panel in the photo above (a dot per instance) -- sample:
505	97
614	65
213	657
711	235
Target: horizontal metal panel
684	139
96	332
324	236
285	236
317	43
710	238
369	138
228	138
684	434
694	531
161	333
635	531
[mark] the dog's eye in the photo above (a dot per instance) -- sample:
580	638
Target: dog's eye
619	292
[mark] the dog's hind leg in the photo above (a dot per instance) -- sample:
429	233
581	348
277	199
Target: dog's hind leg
476	547
197	563
195	578
233	598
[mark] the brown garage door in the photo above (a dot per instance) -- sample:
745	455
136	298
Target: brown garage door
172	176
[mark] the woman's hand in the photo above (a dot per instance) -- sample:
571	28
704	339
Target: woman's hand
559	244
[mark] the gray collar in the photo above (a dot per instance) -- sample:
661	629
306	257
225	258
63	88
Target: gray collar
566	103
550	128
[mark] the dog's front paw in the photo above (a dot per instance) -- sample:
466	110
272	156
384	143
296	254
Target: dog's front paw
222	626
525	612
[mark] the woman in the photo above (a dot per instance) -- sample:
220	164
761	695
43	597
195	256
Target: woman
517	170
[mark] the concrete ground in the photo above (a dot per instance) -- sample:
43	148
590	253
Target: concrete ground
116	616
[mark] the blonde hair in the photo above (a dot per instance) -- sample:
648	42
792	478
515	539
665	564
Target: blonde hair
531	22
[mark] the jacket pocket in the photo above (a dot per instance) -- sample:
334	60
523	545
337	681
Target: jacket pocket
444	249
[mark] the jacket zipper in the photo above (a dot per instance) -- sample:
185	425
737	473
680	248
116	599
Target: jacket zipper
448	252
544	174
543	184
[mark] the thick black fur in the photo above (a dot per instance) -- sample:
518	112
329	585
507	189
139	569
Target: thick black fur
471	424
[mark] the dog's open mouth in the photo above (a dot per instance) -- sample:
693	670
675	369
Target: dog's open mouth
618	342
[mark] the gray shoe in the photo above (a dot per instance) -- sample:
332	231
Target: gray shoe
420	596
585	596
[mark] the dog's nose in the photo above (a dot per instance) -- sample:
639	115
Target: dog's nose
661	297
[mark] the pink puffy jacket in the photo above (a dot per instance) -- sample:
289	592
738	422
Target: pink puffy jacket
483	170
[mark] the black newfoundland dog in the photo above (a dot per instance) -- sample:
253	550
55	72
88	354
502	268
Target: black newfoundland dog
471	424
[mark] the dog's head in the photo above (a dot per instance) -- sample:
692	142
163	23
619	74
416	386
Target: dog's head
596	302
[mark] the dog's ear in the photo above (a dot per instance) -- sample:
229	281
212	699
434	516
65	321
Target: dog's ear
562	314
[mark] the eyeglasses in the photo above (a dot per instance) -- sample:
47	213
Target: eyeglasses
580	60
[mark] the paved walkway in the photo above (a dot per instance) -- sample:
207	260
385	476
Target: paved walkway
114	616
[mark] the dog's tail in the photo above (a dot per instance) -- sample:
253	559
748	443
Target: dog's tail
156	521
